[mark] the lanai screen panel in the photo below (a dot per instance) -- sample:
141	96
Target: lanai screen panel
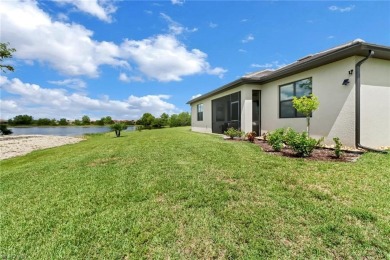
226	112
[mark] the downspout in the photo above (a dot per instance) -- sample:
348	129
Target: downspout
357	105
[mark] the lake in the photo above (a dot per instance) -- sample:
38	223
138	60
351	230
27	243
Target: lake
64	131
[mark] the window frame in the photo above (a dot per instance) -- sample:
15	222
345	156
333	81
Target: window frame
294	83
199	112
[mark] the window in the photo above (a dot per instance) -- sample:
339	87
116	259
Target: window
199	109
287	92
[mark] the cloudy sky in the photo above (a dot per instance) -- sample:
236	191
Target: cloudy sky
125	58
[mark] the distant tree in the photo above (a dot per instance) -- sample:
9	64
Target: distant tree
164	119
118	127
21	120
99	122
157	123
63	121
53	122
147	119
306	105
43	121
77	122
174	121
129	122
107	120
86	120
5	53
184	118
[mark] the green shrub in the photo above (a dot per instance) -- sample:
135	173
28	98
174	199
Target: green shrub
4	130
276	139
232	132
289	136
337	148
302	144
139	128
251	136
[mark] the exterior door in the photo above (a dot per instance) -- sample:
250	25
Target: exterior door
256	111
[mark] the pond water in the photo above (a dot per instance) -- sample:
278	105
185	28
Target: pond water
64	131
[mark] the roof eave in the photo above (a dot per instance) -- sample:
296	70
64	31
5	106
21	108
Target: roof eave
357	49
225	87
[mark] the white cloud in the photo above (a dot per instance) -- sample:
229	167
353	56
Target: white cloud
62	17
35	100
125	78
69	48
177	2
242	50
249	38
330	37
244	20
176	28
335	8
164	58
99	8
213	25
271	65
77	84
195	96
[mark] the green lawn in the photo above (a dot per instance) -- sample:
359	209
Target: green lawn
172	193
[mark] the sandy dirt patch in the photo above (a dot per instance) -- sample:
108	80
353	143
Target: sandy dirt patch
12	146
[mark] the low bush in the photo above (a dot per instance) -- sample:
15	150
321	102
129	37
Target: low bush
337	148
251	136
232	132
276	139
139	128
289	136
302	144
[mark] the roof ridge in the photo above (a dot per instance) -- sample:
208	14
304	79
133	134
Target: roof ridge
350	43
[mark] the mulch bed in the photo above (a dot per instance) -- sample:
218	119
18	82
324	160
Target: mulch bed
319	154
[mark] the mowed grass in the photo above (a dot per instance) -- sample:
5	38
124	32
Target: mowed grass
173	193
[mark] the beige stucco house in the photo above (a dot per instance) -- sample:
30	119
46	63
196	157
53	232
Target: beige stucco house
352	82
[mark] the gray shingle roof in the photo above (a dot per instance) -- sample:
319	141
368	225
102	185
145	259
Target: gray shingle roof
357	47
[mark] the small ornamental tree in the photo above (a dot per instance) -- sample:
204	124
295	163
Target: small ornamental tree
118	127
4	130
306	105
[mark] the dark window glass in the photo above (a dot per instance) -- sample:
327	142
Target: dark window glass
286	109
199	109
235	97
235	111
220	116
287	92
303	88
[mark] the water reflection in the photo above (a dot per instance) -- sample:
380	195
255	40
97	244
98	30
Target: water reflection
64	131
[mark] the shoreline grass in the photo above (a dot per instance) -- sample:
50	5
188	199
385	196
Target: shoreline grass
172	193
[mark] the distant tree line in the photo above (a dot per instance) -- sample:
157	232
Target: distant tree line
147	120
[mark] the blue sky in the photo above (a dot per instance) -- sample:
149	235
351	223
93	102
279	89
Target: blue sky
125	58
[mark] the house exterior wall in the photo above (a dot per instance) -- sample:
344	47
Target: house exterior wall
335	116
333	97
375	103
205	126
